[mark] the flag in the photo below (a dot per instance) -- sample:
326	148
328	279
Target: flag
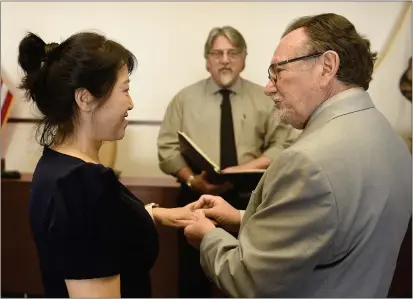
6	103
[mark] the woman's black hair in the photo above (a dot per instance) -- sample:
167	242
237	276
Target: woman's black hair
54	72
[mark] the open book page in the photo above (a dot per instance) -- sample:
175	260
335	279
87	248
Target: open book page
245	171
243	180
213	164
189	140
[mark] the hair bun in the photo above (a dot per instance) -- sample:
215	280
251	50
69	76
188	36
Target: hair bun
49	49
31	52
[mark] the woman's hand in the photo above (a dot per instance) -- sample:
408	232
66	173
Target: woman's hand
175	217
219	211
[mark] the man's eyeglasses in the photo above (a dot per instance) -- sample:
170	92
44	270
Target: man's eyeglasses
231	54
273	70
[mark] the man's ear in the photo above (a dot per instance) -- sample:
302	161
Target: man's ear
84	99
244	61
243	66
207	65
331	64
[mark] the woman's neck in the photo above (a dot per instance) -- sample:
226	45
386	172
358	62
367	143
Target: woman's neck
82	148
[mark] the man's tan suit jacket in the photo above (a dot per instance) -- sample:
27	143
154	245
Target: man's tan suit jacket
328	217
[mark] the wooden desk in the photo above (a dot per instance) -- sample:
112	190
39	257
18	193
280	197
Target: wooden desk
19	264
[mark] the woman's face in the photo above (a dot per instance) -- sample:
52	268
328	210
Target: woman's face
109	119
406	82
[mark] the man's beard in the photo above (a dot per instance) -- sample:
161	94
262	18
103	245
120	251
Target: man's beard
281	116
226	79
284	114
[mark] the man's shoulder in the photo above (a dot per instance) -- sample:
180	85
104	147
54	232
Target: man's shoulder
252	85
255	89
193	88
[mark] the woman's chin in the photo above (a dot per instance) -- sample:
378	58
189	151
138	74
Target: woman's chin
120	136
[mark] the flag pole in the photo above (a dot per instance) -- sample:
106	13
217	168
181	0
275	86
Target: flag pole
7	100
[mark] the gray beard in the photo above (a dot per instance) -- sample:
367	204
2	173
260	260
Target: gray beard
226	79
283	115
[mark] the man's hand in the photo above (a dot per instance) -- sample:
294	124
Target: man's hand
195	232
261	162
201	184
216	208
233	169
175	217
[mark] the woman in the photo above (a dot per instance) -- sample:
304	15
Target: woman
405	83
93	237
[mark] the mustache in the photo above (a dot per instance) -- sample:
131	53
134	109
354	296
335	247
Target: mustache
225	69
277	100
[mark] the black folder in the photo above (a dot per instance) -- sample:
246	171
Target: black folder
244	181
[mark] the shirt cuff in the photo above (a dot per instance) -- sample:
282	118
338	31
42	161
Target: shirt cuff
242	212
149	209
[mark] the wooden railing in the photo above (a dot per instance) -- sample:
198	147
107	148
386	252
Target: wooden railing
25	120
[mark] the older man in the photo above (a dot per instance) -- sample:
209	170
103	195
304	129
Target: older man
328	217
232	121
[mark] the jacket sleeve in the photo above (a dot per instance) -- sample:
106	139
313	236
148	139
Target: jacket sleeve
292	225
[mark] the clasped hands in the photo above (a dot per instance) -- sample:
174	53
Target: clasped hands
200	217
211	211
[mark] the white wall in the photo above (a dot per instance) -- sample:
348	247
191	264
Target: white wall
168	40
